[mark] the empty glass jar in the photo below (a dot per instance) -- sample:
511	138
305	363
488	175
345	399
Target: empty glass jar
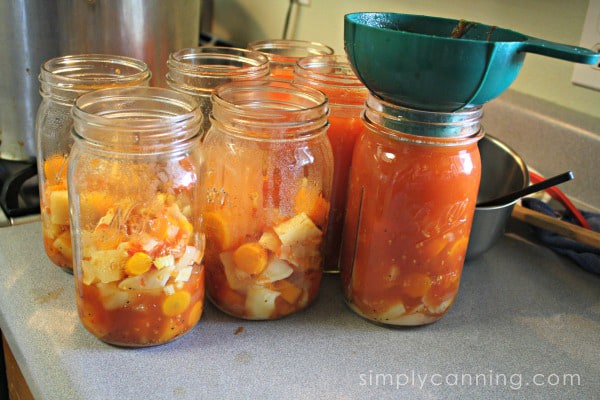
199	70
284	53
62	81
266	195
133	173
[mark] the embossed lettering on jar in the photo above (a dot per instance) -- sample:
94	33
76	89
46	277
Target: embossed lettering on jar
413	188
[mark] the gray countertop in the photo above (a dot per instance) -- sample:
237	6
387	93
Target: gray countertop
526	324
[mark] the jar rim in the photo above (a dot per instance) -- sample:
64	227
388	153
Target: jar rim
217	60
138	117
289	50
270	108
75	72
329	70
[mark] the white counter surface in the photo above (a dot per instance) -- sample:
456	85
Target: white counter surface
526	324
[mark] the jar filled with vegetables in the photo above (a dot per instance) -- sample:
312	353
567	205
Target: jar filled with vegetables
333	75
412	194
133	174
266	195
62	81
284	53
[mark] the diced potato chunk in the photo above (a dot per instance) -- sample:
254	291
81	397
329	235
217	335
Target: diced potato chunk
153	279
276	270
184	274
190	256
59	207
112	297
393	313
63	244
270	241
164	261
107	265
299	228
260	302
236	278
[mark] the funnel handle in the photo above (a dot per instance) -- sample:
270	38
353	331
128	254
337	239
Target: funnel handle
559	50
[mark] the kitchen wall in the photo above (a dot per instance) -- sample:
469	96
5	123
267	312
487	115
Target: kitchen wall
241	21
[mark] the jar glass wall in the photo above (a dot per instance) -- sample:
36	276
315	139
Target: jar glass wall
199	70
412	194
133	191
62	81
333	75
266	197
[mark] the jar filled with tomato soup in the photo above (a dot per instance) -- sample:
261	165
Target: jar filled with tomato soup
62	80
266	195
333	75
199	70
284	53
133	174
412	193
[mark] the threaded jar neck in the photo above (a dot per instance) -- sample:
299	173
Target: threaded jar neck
66	78
137	120
199	70
270	110
393	119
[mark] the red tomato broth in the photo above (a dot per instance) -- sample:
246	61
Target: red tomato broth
140	321
342	134
415	203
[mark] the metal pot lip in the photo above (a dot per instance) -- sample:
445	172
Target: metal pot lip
522	166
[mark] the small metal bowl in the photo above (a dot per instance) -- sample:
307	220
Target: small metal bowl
502	171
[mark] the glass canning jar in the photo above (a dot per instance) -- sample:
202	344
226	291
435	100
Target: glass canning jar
266	197
333	75
199	70
412	194
133	190
62	81
284	53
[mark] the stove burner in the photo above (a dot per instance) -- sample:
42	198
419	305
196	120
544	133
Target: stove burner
19	194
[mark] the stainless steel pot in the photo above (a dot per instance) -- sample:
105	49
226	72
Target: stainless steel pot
148	30
33	31
502	171
28	37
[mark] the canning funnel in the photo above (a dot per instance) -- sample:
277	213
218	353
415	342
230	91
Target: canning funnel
441	64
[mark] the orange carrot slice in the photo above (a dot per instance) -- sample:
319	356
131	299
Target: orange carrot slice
138	263
216	229
176	303
251	258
